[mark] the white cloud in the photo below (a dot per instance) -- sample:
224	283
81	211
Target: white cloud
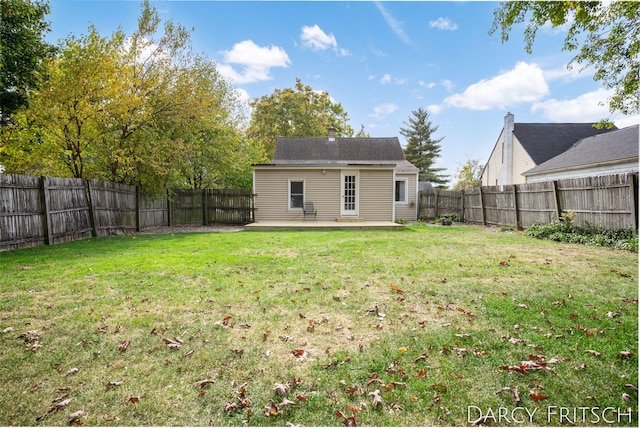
314	38
256	61
525	83
592	106
448	84
395	25
385	79
424	84
383	110
443	24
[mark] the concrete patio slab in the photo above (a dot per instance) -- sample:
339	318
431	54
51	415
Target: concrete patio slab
323	225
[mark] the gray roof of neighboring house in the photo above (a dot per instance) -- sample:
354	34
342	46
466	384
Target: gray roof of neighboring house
544	141
616	145
319	151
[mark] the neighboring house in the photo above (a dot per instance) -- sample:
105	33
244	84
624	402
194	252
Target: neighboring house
615	152
347	179
523	146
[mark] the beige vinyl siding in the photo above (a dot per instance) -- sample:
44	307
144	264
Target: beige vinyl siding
521	162
324	190
376	194
492	170
409	210
271	186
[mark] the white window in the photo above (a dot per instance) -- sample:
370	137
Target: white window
401	191
296	194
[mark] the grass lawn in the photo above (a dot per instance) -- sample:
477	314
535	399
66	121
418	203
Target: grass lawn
426	326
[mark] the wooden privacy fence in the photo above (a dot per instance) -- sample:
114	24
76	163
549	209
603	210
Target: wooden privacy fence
43	210
609	202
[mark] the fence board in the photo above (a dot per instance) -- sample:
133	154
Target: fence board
114	207
229	206
21	212
68	208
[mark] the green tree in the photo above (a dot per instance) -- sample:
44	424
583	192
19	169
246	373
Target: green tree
606	36
295	112
422	149
468	175
139	110
23	51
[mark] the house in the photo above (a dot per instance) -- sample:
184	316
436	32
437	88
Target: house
346	179
614	152
523	146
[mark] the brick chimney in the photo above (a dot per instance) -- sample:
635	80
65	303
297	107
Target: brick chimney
332	134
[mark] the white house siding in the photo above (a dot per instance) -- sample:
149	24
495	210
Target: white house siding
622	168
409	211
494	164
521	162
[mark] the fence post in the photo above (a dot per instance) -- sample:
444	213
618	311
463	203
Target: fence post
556	200
168	208
92	214
46	227
482	206
205	211
515	206
435	203
461	205
138	209
633	199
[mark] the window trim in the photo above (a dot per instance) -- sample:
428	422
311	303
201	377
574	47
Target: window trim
406	191
289	194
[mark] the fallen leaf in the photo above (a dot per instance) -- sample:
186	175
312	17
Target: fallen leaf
74	418
134	400
124	345
421	357
115	383
298	353
626	397
592	352
631	387
202	383
536	396
237	351
282	388
72	371
286	402
377	399
173	344
625	355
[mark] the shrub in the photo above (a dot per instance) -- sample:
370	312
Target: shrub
565	231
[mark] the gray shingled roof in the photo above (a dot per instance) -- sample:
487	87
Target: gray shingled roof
342	151
544	141
617	145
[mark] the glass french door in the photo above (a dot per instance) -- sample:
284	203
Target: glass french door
349	207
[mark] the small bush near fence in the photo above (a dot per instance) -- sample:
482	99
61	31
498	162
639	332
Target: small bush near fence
567	231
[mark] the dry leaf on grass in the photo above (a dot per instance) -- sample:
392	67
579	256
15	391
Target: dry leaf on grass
74	418
124	345
173	344
202	383
59	406
115	383
377	399
592	352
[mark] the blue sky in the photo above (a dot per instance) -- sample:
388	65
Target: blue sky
380	60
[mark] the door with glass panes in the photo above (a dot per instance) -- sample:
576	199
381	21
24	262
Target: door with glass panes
349	194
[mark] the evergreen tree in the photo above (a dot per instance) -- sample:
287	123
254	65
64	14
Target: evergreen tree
422	149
